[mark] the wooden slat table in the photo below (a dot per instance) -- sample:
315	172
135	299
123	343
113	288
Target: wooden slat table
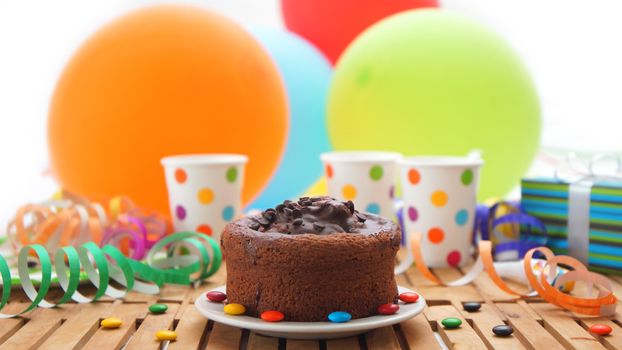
537	325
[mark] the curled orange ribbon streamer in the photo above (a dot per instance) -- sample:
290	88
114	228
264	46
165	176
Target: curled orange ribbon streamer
603	305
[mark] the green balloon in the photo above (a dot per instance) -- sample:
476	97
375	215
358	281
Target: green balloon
432	82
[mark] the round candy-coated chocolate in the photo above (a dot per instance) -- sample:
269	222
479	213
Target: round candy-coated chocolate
158	308
339	317
472	306
111	322
601	329
388	309
234	309
503	330
272	316
409	297
166	335
216	296
451	322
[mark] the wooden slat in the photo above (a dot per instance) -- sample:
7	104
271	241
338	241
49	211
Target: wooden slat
490	292
536	316
464	337
200	291
564	328
343	343
527	328
418	334
144	337
191	329
293	344
612	341
81	324
416	278
173	293
433	292
115	338
483	322
223	337
219	278
136	297
10	326
537	325
260	342
43	322
382	338
403	281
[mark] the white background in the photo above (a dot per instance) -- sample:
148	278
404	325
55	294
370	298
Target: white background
573	49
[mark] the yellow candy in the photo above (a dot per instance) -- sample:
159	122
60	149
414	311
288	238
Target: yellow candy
111	322
234	309
166	335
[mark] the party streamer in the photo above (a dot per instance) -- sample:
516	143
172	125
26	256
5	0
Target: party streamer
102	265
603	305
549	282
68	219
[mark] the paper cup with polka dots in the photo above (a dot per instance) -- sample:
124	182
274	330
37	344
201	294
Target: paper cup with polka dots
365	177
439	195
204	190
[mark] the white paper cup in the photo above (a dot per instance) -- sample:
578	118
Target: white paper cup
204	190
365	177
439	195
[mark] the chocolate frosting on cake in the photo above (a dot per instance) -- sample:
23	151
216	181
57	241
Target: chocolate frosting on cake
318	215
309	258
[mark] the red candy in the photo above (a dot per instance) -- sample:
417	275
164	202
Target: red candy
388	309
409	297
272	316
601	329
216	297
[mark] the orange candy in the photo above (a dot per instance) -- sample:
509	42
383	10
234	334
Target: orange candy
272	316
601	329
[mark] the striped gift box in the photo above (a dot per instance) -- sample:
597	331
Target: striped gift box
548	200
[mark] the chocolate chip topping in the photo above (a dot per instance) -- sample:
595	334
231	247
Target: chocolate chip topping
315	215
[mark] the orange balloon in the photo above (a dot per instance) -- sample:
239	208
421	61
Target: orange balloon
162	81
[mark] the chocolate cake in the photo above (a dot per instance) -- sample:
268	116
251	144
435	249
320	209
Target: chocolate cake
309	258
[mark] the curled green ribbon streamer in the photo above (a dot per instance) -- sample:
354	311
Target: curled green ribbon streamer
104	264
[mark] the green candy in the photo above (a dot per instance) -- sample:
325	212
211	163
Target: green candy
451	322
158	308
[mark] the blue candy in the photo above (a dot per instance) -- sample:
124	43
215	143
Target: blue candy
339	317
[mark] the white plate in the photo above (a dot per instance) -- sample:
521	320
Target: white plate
307	330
